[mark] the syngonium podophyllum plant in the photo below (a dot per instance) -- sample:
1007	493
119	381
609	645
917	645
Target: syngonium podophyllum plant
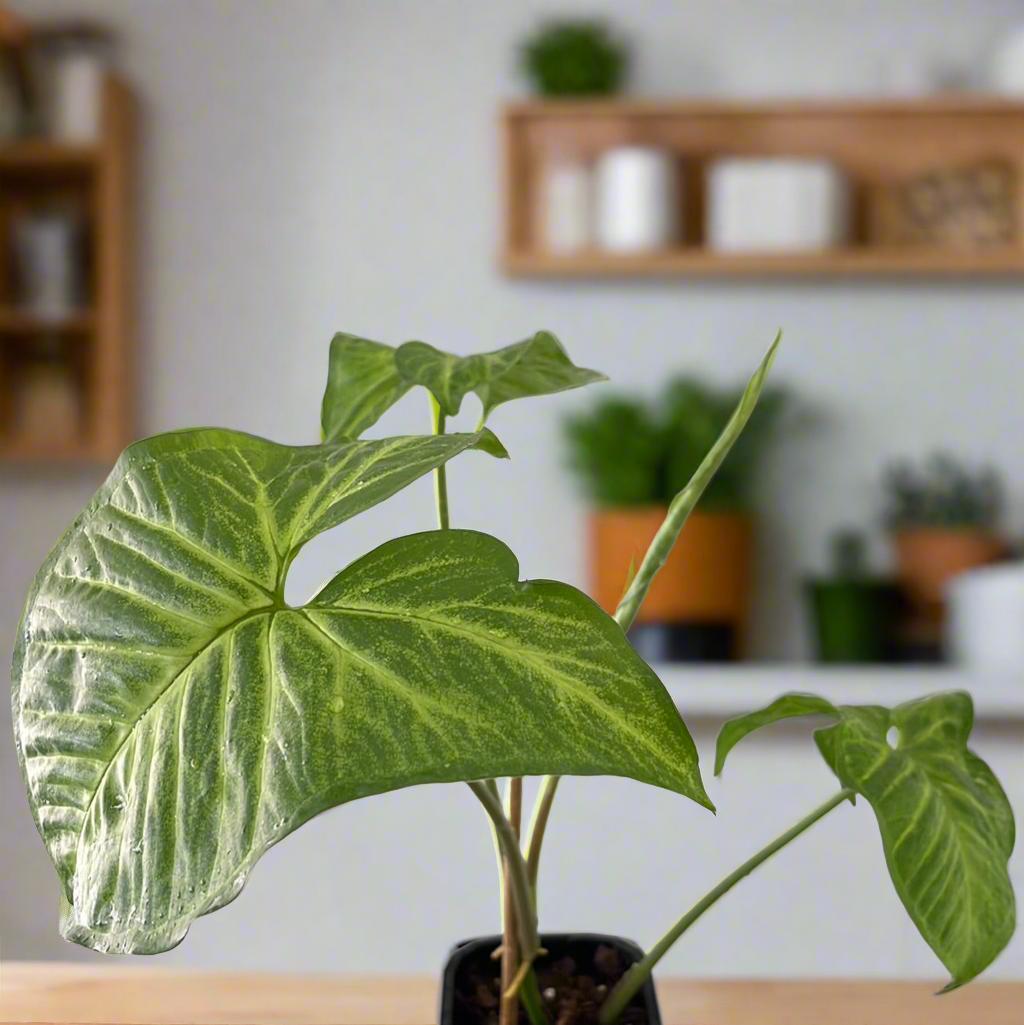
175	716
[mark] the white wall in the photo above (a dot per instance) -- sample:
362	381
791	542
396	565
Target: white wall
316	166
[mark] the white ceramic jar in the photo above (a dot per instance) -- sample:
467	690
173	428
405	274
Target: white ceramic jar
636	199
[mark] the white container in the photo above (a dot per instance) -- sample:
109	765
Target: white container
46	264
565	207
77	97
636	199
985	619
773	204
1007	75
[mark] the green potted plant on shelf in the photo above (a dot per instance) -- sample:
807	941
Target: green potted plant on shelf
174	717
853	614
631	459
943	519
573	59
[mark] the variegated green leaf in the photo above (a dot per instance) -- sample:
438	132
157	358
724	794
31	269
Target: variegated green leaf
535	366
947	828
367	378
362	384
178	558
175	717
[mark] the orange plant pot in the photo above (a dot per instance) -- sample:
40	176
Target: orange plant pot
706	578
928	557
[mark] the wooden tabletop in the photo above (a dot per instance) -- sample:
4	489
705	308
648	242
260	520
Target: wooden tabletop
128	995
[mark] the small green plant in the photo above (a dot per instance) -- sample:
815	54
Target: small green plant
175	717
942	493
694	415
574	58
847	549
630	453
618	450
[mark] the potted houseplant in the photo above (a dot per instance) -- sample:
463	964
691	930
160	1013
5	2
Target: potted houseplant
631	461
853	614
572	59
943	520
174	717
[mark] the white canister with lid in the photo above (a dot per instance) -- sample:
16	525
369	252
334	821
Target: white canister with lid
985	619
636	199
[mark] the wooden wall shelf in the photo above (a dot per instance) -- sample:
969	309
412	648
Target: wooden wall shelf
41	155
94	345
17	322
874	142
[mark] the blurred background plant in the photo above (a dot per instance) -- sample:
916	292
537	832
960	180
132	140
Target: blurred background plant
632	457
694	414
626	452
575	58
943	519
942	492
617	449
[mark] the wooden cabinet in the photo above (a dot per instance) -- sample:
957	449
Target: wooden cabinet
94	341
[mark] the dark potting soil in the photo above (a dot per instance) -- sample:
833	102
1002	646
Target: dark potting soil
573	985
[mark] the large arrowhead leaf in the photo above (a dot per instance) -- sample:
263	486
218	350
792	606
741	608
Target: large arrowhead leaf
366	378
161	582
947	828
175	718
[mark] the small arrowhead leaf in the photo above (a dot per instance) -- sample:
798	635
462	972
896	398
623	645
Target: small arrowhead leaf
535	366
788	706
174	718
362	385
947	827
366	378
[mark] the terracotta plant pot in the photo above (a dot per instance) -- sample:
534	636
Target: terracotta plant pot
706	578
928	557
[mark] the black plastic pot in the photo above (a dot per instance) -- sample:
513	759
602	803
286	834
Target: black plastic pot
854	621
476	955
684	642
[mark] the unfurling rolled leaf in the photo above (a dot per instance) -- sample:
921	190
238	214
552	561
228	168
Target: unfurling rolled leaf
366	378
683	503
174	717
947	827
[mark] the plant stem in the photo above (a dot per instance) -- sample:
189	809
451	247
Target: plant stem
630	983
509	1010
526	917
517	901
441	473
538	824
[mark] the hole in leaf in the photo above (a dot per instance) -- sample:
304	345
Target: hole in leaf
892	737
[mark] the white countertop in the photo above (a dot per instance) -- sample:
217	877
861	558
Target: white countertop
726	690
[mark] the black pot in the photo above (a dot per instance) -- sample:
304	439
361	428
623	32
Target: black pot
475	955
684	642
854	620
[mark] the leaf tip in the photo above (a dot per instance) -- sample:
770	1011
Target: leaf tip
487	441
